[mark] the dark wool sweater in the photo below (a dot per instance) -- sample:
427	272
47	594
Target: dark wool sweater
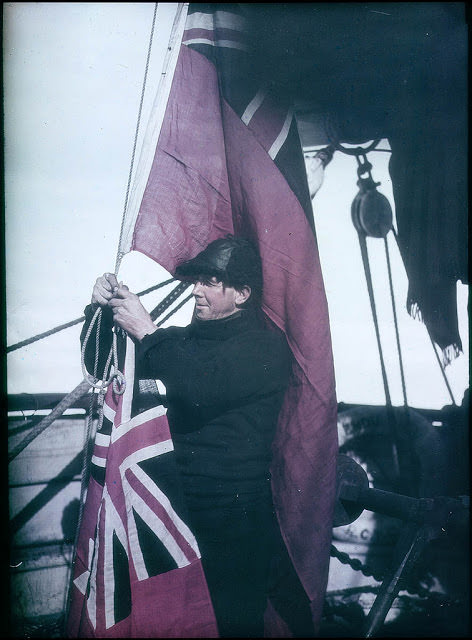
225	382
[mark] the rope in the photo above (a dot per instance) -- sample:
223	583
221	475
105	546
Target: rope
163	305
46	334
181	304
394	311
79	391
357	151
116	376
64	404
388	402
40	336
156	286
119	255
368	277
168	300
96	383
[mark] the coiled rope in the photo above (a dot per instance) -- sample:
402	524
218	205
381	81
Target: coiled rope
69	400
115	376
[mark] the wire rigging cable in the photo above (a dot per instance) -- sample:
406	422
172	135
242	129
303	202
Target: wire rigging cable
61	327
119	255
395	320
374	219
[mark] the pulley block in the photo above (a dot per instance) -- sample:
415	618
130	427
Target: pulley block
370	210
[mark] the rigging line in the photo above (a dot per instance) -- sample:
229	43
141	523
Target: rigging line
181	304
388	402
368	277
165	303
395	321
61	327
80	390
156	286
441	367
168	300
89	442
92	379
119	254
58	410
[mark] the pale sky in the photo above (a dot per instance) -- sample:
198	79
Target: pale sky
73	75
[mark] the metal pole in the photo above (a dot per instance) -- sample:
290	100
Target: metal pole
409	547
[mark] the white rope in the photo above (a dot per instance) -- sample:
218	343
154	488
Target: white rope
115	376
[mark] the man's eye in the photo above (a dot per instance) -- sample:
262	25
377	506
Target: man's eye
209	282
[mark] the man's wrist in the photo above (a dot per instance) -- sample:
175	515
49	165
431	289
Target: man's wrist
146	332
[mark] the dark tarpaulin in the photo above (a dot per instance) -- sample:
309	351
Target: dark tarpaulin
396	71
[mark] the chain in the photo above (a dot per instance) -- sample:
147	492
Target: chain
355	564
367	571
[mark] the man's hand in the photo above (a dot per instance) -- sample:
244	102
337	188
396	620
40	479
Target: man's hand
103	290
129	313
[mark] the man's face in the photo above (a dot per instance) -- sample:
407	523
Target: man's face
213	300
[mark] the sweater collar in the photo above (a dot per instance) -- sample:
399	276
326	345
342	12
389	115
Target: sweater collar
224	328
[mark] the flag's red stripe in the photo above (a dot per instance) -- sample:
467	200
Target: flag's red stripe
151	500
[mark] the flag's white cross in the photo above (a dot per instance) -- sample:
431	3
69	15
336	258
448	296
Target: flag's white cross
143	497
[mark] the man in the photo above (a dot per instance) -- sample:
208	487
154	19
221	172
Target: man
225	376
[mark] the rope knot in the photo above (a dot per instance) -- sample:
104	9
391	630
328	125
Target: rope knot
115	376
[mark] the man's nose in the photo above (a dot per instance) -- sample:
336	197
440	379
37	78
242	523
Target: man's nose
197	289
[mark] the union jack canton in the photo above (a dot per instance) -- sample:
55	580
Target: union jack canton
137	569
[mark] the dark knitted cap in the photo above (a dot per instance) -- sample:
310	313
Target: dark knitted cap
234	261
